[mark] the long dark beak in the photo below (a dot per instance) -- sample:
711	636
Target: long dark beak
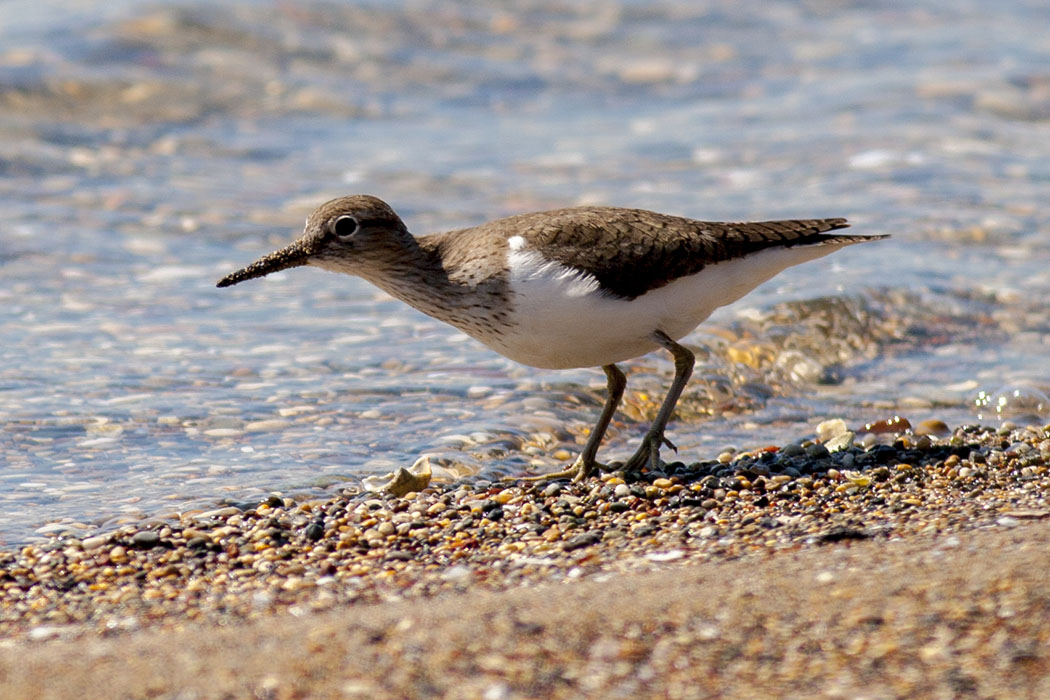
293	255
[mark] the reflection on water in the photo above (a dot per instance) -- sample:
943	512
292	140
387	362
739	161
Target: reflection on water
147	148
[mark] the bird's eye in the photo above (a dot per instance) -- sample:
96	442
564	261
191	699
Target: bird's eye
345	226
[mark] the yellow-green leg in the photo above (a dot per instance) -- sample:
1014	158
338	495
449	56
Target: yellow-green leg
586	465
648	453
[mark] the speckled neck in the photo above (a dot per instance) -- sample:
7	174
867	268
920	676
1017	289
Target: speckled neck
454	279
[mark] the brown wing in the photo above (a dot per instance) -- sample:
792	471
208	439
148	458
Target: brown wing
633	251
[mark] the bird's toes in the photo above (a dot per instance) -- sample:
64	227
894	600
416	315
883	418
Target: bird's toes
648	454
581	470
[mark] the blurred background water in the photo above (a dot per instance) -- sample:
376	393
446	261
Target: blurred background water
147	148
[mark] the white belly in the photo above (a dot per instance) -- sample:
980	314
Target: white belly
562	320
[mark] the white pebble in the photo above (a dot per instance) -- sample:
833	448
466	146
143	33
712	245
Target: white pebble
831	428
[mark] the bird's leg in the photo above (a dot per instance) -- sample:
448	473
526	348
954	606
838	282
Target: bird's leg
586	465
648	453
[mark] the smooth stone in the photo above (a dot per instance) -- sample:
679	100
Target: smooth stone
817	451
218	513
934	427
52	528
265	426
90	543
897	424
580	541
145	539
223	432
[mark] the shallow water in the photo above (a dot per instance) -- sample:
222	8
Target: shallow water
148	148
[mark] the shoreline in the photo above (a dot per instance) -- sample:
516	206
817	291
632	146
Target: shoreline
578	564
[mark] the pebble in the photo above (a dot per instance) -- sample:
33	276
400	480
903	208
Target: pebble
840	442
817	451
224	432
145	540
830	429
90	543
896	424
933	427
584	540
218	513
265	426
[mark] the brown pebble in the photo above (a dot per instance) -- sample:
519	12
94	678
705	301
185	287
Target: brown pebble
896	424
933	427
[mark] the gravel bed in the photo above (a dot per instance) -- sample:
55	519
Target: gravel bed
235	564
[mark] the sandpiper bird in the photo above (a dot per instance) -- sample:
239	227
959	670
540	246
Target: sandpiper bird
579	287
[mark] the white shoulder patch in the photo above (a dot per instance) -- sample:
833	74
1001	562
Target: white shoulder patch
536	276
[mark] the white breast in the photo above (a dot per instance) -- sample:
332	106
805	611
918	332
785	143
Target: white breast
561	318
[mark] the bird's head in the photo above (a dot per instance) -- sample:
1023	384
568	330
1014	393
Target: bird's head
340	235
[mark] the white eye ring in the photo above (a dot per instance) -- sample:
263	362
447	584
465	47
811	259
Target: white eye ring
345	226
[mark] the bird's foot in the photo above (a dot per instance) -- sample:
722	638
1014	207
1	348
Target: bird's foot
648	453
581	470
